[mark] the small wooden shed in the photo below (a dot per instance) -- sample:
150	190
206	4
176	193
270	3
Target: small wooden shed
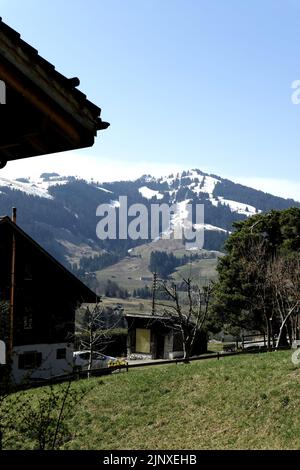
157	337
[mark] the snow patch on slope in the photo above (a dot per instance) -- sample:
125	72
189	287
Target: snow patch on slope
199	183
207	185
238	207
27	188
42	184
180	219
105	190
148	193
210	227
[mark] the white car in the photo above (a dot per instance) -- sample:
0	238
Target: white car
99	360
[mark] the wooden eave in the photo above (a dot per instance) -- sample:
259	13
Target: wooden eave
44	111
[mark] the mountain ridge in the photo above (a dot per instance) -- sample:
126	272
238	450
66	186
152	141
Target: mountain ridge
60	211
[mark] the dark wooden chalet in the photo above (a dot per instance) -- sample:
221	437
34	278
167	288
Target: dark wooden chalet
38	300
157	337
44	111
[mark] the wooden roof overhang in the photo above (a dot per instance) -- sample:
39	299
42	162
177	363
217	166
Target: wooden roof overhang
84	293
44	112
149	320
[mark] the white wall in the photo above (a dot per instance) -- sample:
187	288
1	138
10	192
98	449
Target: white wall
175	354
2	352
169	343
168	346
50	366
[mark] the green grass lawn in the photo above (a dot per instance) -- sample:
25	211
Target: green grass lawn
241	402
200	271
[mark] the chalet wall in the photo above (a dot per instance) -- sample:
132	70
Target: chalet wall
46	295
50	365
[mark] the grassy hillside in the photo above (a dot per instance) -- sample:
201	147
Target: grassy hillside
126	273
130	305
200	270
241	402
129	271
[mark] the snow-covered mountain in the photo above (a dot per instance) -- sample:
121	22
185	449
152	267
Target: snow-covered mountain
35	187
60	212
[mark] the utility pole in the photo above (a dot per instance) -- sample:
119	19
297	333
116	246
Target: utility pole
12	292
154	291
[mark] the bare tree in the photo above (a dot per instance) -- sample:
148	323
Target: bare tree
43	422
284	281
256	260
93	331
188	310
46	421
274	279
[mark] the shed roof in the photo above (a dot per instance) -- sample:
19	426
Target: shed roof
148	316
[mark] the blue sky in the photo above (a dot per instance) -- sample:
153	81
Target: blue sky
184	84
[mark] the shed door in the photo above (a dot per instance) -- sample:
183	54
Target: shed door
142	340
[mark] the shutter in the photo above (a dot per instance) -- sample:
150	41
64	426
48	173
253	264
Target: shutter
21	361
